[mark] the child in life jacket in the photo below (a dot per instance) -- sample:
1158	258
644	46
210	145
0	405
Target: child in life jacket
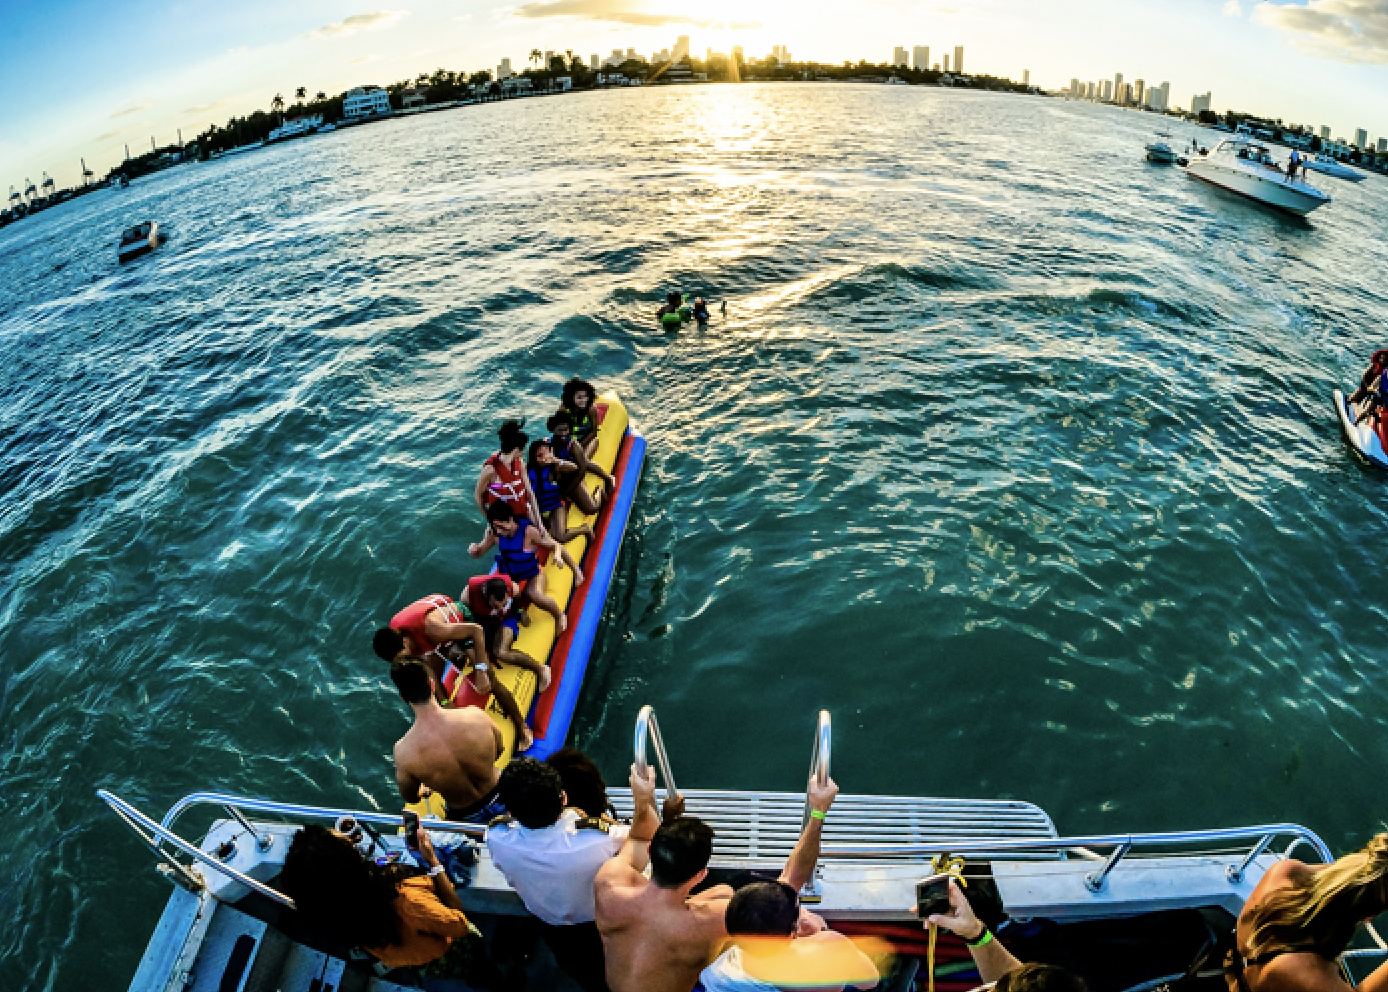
517	541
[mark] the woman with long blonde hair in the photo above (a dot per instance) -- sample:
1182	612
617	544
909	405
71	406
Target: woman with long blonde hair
1300	919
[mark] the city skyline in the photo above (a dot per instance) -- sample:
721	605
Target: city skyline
215	62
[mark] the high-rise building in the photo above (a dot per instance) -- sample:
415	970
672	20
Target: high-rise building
1165	91
1026	76
1090	92
1199	103
596	63
631	54
1106	90
958	58
899	57
1117	88
1382	145
946	58
920	57
1325	132
1139	91
503	71
681	51
1361	138
1126	97
549	56
737	54
1074	87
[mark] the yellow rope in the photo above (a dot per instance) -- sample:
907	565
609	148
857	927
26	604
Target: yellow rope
941	864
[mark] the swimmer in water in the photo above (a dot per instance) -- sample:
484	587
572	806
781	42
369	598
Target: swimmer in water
701	311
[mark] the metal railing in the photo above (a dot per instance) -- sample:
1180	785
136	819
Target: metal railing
819	760
296	811
1121	844
184	875
648	732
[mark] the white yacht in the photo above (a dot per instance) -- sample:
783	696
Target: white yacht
297	128
1242	165
139	240
1150	908
1327	165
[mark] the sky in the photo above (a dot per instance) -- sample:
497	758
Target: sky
82	79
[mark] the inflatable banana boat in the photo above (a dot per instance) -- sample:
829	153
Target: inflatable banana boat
621	451
1369	439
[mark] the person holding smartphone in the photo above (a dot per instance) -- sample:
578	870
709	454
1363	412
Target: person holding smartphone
996	965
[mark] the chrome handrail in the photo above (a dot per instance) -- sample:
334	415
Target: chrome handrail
1125	842
294	810
135	819
648	731
819	760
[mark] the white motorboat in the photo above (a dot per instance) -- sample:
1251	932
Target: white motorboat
1243	165
139	240
1160	151
1328	166
1147	907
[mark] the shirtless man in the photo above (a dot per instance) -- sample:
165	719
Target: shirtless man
451	752
433	630
656	937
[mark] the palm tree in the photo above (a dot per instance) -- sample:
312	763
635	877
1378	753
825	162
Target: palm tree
536	56
321	96
277	104
300	93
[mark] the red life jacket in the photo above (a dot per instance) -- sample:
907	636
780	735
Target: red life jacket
478	605
410	620
508	486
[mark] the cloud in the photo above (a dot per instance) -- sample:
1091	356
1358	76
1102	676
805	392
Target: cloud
119	131
1232	9
1354	31
635	12
359	22
362	58
203	108
133	107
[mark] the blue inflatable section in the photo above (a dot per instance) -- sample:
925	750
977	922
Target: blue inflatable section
586	626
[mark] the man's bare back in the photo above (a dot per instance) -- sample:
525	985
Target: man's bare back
654	939
452	751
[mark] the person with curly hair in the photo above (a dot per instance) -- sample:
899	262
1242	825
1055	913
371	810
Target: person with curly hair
401	916
576	399
1300	918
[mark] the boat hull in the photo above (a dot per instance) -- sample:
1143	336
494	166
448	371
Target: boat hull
1279	195
1363	438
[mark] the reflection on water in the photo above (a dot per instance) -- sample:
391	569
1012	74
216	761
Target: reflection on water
1013	450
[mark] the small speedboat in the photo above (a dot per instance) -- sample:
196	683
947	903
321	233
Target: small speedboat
139	240
1326	165
1369	439
1160	151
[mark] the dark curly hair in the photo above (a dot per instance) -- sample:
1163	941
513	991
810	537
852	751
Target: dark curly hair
583	782
532	792
574	386
339	892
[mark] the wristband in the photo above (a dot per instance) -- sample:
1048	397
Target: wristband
817	814
481	667
984	939
436	870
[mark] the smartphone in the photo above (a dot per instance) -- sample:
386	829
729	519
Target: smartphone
932	896
411	819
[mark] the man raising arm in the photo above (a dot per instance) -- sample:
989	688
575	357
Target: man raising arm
656	936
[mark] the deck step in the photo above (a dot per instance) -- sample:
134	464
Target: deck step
756	827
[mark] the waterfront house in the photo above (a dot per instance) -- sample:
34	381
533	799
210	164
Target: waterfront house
412	99
365	101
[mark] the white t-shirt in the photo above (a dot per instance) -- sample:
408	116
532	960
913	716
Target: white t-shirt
552	869
726	974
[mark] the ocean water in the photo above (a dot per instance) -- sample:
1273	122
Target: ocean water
1012	450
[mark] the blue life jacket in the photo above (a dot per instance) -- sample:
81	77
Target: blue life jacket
546	489
514	560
